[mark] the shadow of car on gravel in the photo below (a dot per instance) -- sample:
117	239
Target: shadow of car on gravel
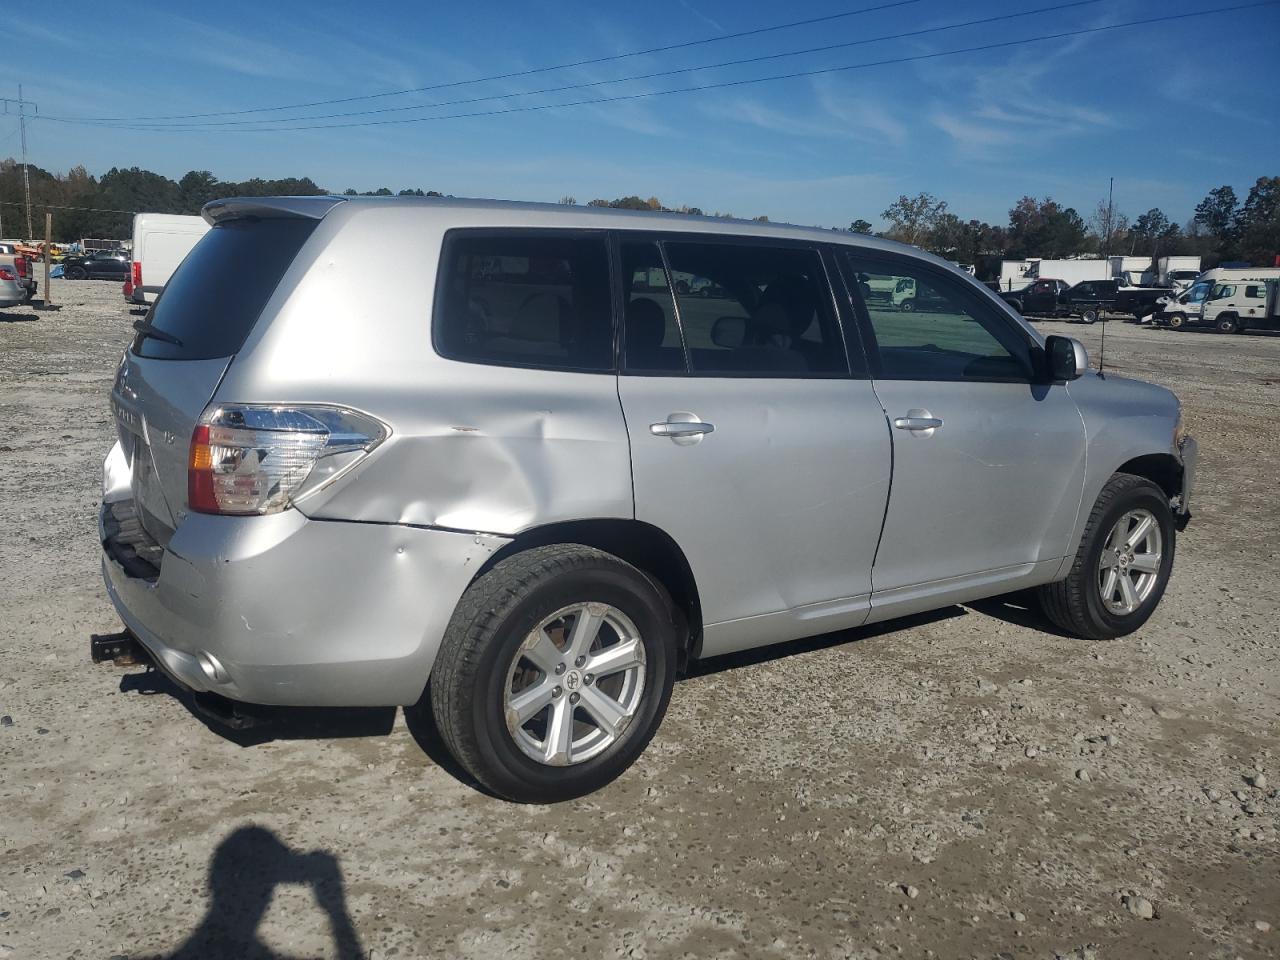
249	725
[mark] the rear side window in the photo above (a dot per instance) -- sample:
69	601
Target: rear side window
753	310
525	299
1253	292
214	298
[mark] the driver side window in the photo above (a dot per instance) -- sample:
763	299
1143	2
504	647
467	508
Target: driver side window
927	326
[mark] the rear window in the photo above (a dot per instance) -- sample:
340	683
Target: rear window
215	296
526	300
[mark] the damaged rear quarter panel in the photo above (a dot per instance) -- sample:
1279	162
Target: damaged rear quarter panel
472	447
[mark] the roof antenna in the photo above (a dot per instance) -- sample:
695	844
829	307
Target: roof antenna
1102	349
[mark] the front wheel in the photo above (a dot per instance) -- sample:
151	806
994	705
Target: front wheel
1123	564
1177	320
554	673
1228	325
907	306
76	273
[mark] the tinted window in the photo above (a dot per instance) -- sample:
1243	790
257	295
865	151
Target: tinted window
929	326
529	299
1253	292
753	310
214	298
651	335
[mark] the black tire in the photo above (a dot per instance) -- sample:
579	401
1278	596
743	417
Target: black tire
1228	324
495	615
1075	603
76	273
1089	315
907	306
1177	320
1016	304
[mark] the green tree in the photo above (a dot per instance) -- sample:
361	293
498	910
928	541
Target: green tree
860	226
1155	234
1044	228
1259	222
912	218
196	188
1216	214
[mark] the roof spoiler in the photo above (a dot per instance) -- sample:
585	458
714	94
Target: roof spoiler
273	208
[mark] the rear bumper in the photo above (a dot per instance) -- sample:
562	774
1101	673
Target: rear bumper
283	610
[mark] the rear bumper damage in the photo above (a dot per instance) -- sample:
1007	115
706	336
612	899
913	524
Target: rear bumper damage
284	610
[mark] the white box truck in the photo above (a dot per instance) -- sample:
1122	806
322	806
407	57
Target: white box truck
160	242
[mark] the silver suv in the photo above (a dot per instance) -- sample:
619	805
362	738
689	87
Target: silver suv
523	483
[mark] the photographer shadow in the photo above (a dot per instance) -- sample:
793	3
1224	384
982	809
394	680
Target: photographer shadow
243	875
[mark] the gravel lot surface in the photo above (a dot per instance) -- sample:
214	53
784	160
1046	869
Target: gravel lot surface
967	784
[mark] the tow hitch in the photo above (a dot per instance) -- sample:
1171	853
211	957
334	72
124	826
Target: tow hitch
122	649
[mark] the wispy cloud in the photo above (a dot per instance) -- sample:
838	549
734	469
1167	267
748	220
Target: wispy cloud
719	27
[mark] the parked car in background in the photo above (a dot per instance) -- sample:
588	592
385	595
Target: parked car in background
1093	298
1041	298
21	271
1179	309
548	481
160	242
103	265
12	292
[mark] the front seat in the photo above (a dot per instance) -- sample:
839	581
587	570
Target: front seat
646	329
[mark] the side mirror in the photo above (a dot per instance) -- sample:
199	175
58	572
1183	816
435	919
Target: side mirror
1066	357
729	332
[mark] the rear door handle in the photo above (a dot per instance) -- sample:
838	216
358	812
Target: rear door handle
683	428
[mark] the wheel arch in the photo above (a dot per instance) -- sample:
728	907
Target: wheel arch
1162	469
643	545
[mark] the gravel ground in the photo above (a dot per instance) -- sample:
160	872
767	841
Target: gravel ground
966	784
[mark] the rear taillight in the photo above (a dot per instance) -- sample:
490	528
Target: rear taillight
137	273
21	264
7	274
250	459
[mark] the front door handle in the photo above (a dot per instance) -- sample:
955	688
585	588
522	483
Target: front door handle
920	422
917	423
682	428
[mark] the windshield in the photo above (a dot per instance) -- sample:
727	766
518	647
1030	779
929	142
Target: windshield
1197	292
1223	290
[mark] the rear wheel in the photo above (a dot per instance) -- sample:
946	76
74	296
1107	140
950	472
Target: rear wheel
1090	315
1122	566
554	673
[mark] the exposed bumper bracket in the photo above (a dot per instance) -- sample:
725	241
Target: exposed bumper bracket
122	649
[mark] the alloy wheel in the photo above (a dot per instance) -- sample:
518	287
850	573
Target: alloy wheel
575	684
1129	567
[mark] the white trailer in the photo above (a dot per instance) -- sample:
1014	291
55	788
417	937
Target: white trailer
1178	271
1072	271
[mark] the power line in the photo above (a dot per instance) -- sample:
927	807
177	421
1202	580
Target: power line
591	61
54	206
799	74
761	58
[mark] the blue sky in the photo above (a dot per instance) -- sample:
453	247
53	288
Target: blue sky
1170	110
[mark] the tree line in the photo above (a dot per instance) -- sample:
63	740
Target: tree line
1222	229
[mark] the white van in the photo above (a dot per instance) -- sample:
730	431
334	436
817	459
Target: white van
160	242
1182	309
1239	305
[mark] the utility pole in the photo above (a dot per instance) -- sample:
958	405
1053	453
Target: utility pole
22	105
1111	219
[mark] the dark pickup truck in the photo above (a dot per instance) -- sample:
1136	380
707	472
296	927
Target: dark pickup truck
1087	300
